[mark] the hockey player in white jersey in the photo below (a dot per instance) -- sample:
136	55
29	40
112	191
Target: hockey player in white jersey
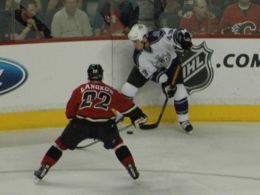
156	59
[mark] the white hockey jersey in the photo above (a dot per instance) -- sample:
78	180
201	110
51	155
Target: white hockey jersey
160	54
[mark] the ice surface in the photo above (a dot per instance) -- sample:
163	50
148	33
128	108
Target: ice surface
217	159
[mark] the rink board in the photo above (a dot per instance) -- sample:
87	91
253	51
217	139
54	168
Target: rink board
56	118
232	93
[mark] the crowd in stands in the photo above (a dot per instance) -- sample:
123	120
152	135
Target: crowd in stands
31	19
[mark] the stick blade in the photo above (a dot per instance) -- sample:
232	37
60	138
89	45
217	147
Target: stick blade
148	126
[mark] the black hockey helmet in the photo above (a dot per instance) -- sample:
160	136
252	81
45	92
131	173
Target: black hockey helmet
95	72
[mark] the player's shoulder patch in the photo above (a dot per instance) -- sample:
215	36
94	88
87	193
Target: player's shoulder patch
155	35
188	14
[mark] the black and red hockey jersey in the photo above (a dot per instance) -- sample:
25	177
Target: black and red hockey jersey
238	21
96	101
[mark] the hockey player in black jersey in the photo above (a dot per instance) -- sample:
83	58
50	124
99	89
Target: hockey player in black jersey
156	59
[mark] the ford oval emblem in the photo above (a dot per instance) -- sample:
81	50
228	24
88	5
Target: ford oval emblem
12	75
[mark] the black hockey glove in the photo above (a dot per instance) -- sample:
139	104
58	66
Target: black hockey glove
137	117
183	37
170	90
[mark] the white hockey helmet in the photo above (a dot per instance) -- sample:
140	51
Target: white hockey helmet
137	32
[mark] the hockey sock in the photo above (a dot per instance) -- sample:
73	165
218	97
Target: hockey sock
52	156
181	106
59	144
124	156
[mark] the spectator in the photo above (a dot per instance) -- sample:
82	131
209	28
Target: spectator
257	2
90	7
146	13
49	8
6	8
115	16
38	4
187	5
217	7
171	16
242	17
102	18
48	5
8	5
3	4
70	21
129	14
228	2
201	20
27	25
80	3
159	6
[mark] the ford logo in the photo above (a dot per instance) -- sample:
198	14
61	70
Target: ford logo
12	75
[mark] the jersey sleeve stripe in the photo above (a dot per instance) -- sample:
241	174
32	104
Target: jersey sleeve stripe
129	110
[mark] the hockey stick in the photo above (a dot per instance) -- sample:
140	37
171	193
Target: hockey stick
156	124
96	141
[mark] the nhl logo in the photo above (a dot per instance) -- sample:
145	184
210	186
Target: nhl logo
196	68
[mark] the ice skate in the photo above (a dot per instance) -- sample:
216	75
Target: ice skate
187	126
132	171
41	172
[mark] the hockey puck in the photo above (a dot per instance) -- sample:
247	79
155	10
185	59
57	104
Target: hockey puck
130	132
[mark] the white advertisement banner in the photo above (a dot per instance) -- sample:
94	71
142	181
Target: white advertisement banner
217	71
236	68
54	70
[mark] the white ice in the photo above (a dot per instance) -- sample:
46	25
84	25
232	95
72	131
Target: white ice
217	159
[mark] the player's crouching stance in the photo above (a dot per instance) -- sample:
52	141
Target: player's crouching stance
90	110
156	59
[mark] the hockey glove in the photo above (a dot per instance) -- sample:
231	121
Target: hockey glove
140	121
170	90
183	37
137	117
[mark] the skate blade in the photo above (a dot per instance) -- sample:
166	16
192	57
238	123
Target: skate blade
189	132
36	180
